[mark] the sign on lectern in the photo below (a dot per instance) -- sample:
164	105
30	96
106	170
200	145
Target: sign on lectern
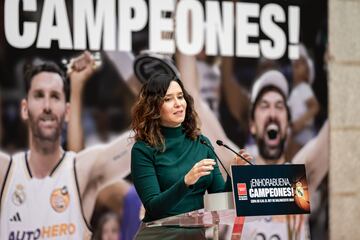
270	190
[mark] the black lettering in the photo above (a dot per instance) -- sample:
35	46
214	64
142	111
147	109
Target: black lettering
29	234
12	236
18	235
37	234
25	235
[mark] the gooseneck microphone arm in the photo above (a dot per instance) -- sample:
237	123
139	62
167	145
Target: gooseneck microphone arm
211	148
220	143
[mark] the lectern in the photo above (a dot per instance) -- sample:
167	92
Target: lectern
278	191
215	221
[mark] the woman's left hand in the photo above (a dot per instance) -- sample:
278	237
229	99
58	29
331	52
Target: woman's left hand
239	161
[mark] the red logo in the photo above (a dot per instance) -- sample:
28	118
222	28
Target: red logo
242	189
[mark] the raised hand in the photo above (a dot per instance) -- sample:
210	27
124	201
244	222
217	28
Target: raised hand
81	68
201	168
238	161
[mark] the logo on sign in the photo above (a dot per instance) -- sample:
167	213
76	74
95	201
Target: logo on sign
242	191
302	196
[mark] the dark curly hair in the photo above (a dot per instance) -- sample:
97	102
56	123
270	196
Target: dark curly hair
146	111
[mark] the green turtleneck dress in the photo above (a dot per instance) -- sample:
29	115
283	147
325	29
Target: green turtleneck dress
159	176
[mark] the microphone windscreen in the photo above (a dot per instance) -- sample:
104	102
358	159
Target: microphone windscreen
219	142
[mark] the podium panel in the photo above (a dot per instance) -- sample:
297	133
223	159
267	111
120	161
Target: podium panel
199	224
224	225
258	191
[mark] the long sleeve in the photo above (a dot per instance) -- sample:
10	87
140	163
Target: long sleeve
159	175
156	202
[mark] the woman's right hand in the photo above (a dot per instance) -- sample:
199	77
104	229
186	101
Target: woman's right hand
245	154
201	168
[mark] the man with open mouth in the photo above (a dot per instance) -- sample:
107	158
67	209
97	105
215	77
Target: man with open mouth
270	116
269	125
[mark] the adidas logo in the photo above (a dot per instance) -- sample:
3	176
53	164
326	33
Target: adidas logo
16	218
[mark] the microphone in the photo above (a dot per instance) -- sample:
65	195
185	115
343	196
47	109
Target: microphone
220	143
202	141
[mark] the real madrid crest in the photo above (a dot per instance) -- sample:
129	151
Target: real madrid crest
302	196
60	199
18	196
299	190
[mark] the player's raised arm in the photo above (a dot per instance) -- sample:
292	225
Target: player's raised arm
315	156
123	63
101	165
80	70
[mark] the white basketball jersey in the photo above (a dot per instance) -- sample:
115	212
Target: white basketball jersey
281	227
47	208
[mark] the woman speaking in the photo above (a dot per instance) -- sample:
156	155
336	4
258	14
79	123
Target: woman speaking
170	165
